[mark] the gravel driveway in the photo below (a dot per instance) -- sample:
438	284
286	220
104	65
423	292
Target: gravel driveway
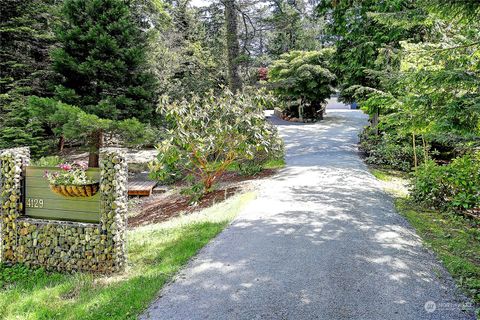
321	241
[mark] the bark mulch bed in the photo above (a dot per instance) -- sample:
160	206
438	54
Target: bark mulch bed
166	208
160	209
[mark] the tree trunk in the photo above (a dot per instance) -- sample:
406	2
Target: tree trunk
415	162
96	142
425	151
61	143
375	120
233	50
300	110
317	110
260	46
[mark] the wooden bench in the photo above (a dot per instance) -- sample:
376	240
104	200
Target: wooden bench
141	188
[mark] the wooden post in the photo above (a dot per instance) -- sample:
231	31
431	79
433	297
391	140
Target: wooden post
425	151
414	151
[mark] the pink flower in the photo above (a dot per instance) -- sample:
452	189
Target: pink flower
82	165
45	174
65	166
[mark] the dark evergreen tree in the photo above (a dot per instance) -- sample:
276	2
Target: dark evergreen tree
362	42
103	62
26	37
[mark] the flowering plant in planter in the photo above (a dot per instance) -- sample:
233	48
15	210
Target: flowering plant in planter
72	180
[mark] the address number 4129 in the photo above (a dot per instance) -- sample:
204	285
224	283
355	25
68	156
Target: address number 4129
34	203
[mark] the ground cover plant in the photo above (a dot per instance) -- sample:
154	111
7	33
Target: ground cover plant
454	239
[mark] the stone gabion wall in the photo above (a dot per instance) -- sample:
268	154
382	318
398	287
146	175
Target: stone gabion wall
11	164
114	206
61	245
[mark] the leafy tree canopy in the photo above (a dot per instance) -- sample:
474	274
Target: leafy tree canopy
304	75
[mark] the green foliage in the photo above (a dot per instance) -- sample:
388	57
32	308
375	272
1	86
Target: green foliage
424	85
367	36
71	174
264	98
304	75
9	275
25	36
103	62
454	186
249	168
165	167
100	58
440	89
275	163
187	51
72	122
49	161
208	134
389	149
20	127
453	238
291	28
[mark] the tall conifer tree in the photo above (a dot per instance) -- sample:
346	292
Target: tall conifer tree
103	62
26	36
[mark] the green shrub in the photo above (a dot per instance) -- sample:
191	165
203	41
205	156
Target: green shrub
389	150
249	168
49	161
207	135
428	186
304	76
18	273
21	127
455	186
274	151
264	98
165	168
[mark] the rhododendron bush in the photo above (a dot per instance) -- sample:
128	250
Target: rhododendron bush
208	134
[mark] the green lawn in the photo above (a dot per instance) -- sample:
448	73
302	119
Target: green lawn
155	254
274	164
387	174
455	239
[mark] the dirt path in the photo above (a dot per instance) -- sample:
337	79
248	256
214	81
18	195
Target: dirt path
321	241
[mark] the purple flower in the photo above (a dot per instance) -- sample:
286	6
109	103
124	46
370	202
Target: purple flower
45	174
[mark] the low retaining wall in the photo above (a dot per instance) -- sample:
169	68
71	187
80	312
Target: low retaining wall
62	245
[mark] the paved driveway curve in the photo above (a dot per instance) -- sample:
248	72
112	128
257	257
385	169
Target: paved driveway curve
321	241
